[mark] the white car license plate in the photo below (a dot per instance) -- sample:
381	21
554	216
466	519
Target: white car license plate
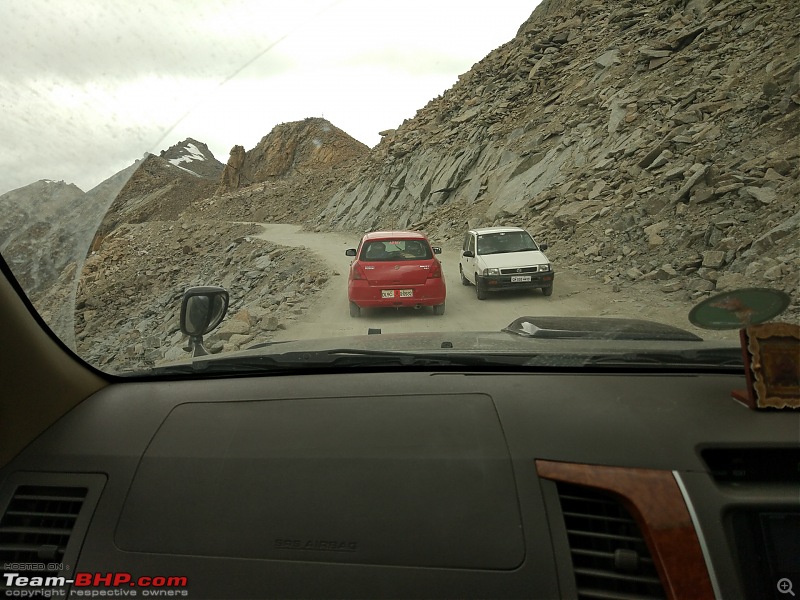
395	293
520	278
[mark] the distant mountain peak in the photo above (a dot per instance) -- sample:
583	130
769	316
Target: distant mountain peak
194	157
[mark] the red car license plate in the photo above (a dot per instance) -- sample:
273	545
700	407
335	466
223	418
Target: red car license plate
396	293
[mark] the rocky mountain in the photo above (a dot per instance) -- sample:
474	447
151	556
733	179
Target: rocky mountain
306	146
312	147
43	217
156	190
49	226
643	140
193	157
290	174
37	220
155	239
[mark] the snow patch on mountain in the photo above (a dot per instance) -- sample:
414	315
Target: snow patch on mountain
192	154
175	164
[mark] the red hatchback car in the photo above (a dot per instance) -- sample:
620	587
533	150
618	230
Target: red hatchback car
394	269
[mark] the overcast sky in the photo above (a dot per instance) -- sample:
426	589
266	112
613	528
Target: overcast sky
87	87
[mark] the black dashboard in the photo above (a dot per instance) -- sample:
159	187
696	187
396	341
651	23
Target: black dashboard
413	484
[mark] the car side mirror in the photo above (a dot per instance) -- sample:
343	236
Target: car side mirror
437	250
542	246
202	310
350	252
468	254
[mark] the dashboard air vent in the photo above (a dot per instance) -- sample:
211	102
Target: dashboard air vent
609	556
38	523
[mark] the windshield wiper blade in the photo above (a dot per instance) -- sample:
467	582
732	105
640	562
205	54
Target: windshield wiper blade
717	358
339	357
347	358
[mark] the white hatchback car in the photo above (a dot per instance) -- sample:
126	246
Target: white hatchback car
504	258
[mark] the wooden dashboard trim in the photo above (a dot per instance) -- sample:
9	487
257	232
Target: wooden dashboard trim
656	504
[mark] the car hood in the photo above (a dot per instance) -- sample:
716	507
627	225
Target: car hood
556	341
513	259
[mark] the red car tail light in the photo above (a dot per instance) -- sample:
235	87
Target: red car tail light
436	270
358	272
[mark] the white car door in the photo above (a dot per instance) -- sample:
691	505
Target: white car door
468	262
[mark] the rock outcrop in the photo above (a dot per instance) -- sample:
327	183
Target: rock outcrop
232	173
287	177
299	149
302	147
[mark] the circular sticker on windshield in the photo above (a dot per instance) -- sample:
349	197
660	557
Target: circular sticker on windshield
739	308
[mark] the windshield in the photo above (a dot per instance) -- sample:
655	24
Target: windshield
391	250
511	241
651	149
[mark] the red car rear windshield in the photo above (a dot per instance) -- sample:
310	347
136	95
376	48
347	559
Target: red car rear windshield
395	250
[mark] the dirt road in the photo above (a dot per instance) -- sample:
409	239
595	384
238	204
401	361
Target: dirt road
573	294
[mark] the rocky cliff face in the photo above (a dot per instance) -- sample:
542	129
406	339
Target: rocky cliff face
642	140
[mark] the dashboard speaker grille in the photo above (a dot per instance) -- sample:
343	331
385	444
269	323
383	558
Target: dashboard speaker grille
609	556
38	523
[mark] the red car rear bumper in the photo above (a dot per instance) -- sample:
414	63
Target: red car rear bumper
431	293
